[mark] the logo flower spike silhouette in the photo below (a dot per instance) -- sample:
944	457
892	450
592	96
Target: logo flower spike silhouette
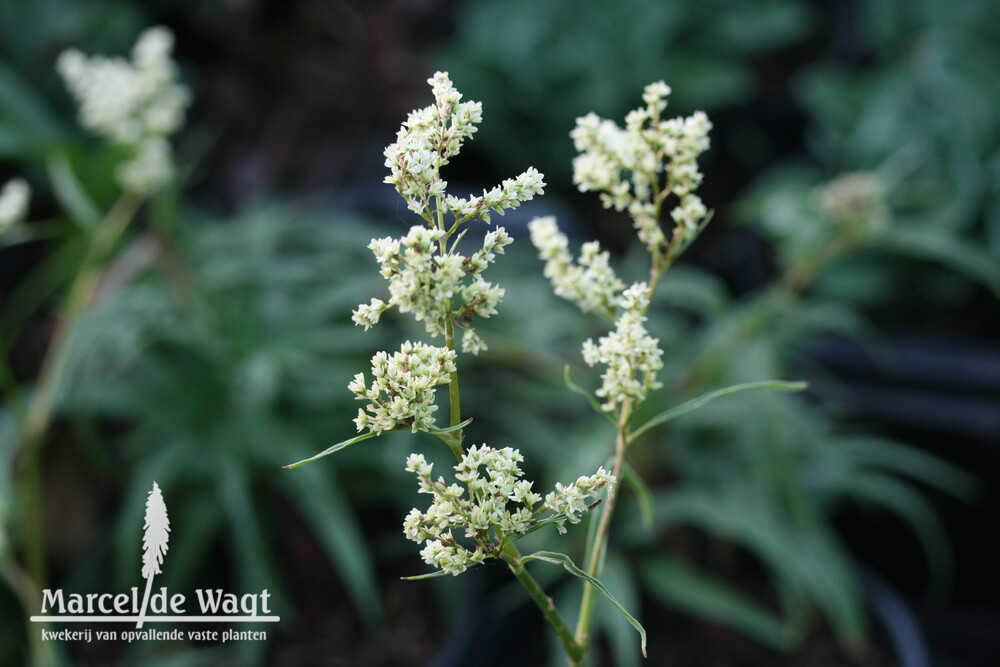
154	543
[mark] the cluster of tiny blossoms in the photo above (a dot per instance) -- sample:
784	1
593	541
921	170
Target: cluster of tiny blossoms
427	277
436	287
499	506
428	139
134	104
637	167
14	200
401	394
590	283
632	356
855	200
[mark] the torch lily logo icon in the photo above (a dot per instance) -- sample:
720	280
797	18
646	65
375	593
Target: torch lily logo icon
160	605
154	543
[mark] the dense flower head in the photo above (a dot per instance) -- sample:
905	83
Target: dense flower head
632	356
428	140
462	529
135	104
401	394
855	199
637	167
14	199
436	287
590	283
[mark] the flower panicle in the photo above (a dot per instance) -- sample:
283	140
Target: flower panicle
462	529
135	104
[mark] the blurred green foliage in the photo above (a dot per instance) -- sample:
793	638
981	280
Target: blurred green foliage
541	66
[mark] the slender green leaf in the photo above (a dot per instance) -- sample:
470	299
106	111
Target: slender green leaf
321	502
943	248
913	508
577	389
695	403
429	575
71	194
450	429
892	457
618	575
331	450
567	563
685	587
642	492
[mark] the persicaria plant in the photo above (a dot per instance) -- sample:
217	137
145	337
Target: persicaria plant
487	506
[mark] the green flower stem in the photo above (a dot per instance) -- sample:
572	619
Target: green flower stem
41	407
595	559
574	651
598	548
454	398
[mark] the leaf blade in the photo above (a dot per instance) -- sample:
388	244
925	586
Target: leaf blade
695	403
335	448
567	563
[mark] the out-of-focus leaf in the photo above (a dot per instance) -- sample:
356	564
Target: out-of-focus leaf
70	192
577	389
907	503
642	494
317	496
943	248
682	586
695	403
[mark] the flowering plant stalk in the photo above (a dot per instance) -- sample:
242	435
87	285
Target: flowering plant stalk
489	507
636	169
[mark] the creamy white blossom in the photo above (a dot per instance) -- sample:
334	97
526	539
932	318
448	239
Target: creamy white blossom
637	167
632	356
436	287
462	529
401	394
136	104
855	199
428	140
14	200
590	283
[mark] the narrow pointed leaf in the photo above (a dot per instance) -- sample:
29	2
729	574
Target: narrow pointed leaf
695	403
71	194
936	246
429	575
642	493
564	560
577	389
682	586
450	429
336	448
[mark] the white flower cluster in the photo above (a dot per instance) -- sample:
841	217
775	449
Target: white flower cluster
427	284
636	167
14	199
402	389
135	104
591	283
855	199
499	505
632	356
426	142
